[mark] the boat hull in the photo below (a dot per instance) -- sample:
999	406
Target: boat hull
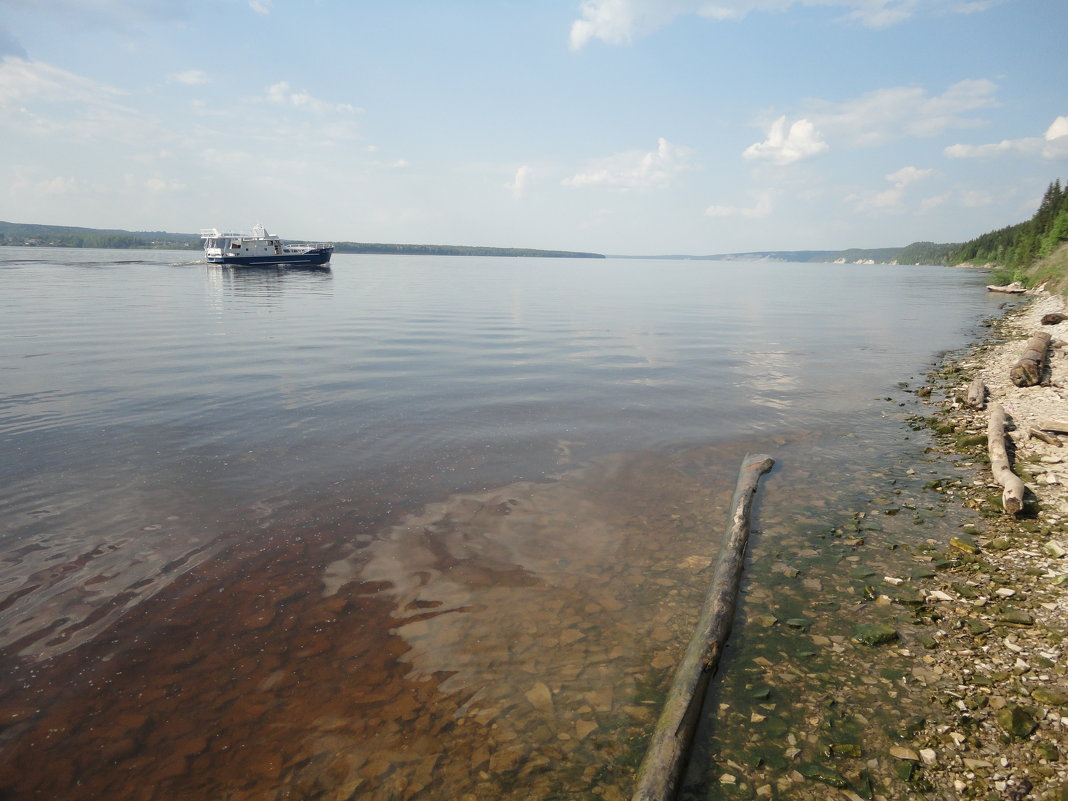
312	258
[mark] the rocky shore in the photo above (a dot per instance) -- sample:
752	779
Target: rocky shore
995	654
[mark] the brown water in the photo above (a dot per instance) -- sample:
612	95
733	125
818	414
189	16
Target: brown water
421	528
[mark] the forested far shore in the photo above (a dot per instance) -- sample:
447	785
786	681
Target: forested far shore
62	236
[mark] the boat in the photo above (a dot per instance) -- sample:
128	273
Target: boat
262	249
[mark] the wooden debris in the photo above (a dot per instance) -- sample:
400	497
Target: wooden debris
1013	492
1054	318
1028	370
662	768
976	397
1015	288
1059	426
1049	439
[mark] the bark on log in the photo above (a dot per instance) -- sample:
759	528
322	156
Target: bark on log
665	759
1028	370
1013	492
1060	426
1049	439
976	397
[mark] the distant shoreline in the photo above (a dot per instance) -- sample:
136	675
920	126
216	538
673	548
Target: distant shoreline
62	236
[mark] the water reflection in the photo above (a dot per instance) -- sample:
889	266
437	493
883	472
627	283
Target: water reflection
267	279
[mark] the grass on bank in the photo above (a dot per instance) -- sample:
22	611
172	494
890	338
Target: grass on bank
1051	271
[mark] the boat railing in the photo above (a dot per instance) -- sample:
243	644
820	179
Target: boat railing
298	246
215	233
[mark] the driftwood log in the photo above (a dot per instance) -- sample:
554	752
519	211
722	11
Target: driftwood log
1060	426
665	759
1049	439
1015	288
976	397
1028	370
1013	488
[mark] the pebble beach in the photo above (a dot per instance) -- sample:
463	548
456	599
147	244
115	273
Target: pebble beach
995	649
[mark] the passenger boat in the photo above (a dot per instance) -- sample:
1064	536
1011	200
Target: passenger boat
261	249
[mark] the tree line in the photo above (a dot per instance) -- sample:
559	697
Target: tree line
1018	246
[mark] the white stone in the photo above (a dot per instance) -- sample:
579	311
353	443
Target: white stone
938	595
928	756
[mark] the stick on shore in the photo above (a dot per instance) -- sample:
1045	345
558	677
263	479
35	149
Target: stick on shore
665	758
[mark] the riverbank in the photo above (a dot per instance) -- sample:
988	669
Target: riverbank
996	607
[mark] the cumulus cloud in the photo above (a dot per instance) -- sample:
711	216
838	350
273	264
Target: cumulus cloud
1053	144
283	94
892	200
518	185
636	169
785	146
1057	129
873	119
620	21
906	176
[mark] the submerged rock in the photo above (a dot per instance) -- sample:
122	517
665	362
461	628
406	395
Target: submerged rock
1016	721
822	773
875	634
1053	696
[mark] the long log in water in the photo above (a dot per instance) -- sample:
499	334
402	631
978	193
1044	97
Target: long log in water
1013	492
665	758
1028	370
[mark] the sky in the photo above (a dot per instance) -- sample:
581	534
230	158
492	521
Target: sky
630	127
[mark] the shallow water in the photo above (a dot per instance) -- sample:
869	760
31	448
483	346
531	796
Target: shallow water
409	527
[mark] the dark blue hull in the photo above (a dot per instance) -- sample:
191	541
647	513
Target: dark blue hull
313	258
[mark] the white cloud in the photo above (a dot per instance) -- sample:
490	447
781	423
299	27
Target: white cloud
60	185
37	99
933	202
260	6
636	169
906	111
190	77
873	119
784	146
1052	145
621	21
906	176
892	200
23	81
975	198
518	185
158	186
1057	129
283	94
762	207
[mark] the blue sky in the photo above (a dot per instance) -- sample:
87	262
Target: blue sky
616	126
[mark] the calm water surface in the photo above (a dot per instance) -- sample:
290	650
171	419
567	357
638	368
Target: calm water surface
406	527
